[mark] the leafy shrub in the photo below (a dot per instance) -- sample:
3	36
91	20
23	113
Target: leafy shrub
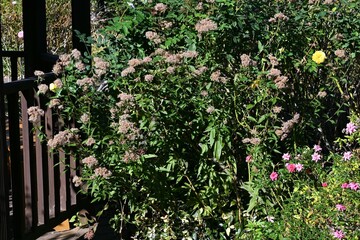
185	110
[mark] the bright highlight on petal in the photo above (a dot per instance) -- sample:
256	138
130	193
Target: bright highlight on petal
53	87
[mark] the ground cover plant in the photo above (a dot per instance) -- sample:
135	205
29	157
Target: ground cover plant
217	119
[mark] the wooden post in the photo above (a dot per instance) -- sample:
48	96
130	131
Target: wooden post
17	181
80	15
34	27
4	186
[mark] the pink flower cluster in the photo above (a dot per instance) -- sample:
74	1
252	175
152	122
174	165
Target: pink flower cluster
350	128
90	161
292	167
35	113
102	172
338	234
205	25
351	185
286	156
316	157
347	156
274	176
340	207
317	148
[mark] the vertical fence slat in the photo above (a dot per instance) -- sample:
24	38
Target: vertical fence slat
73	194
14	68
39	182
50	165
29	188
45	167
57	183
63	182
17	166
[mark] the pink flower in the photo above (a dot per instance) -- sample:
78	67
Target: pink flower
354	186
338	234
299	167
317	148
340	207
344	185
274	176
316	157
89	235
350	128
324	184
286	156
291	167
21	34
248	158
347	156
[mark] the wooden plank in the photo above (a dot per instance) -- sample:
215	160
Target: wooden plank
25	84
72	234
29	187
17	165
39	182
63	183
10	54
4	185
50	168
73	195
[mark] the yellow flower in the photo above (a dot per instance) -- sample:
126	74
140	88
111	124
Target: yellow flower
53	87
255	84
319	57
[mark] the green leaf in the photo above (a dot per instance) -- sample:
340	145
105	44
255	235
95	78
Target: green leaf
212	136
262	118
149	156
251	118
73	218
204	148
218	148
260	47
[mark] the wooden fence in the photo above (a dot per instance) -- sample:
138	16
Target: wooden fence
36	192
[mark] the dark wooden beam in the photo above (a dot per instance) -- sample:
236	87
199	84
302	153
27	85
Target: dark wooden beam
34	27
4	184
80	11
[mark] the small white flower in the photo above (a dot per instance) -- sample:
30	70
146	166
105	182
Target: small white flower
131	4
270	218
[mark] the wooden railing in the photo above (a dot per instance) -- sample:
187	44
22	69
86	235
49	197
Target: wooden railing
36	192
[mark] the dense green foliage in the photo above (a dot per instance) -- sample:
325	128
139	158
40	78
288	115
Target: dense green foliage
197	119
